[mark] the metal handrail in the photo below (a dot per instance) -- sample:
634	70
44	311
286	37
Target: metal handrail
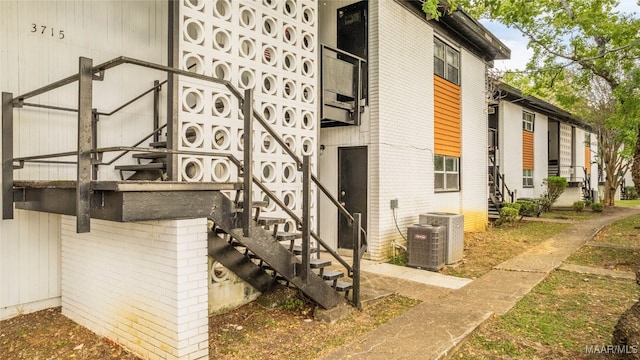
98	72
501	181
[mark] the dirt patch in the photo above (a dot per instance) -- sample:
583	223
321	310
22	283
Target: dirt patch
47	334
486	249
278	326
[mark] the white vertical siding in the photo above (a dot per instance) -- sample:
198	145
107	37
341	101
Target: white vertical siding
510	133
511	149
541	155
30	244
474	162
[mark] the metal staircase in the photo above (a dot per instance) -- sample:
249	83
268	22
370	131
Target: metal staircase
240	238
499	192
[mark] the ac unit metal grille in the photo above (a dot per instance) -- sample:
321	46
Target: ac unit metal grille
426	247
454	236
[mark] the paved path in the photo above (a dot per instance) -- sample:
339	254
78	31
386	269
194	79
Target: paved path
434	328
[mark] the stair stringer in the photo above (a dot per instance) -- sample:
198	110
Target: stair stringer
239	264
267	248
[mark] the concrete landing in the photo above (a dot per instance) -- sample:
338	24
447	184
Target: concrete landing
417	275
434	328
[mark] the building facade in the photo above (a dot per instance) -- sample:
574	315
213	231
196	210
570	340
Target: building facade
392	120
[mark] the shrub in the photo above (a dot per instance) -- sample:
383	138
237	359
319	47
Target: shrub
516	205
544	203
578	205
555	188
508	215
632	194
597	207
588	203
528	208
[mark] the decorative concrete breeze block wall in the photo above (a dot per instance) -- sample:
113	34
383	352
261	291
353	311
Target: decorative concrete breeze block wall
143	285
271	47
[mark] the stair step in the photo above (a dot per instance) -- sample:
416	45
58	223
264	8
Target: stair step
288	236
319	263
255	204
340	285
297	250
158	144
150	155
332	275
149	166
265	221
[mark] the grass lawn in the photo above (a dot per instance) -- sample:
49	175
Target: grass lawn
484	250
622	255
607	258
628	202
558	319
570	215
625	232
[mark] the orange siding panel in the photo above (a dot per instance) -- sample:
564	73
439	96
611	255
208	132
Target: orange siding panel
527	150
587	159
447	118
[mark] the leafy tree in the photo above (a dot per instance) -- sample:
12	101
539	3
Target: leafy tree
580	48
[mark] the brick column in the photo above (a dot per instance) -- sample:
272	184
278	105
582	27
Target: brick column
142	285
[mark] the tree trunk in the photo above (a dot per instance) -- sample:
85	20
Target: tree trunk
609	195
635	167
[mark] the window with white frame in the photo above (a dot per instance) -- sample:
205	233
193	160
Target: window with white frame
528	120
447	173
527	177
446	62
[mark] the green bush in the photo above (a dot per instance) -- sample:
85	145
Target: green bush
555	188
597	207
528	208
516	205
508	215
632	194
588	203
544	203
578	205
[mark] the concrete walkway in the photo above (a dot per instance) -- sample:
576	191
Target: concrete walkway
435	327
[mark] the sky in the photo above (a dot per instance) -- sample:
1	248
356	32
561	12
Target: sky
514	40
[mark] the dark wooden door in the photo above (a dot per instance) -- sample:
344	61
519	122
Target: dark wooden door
352	190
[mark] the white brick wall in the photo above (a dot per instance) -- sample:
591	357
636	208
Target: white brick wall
143	285
402	122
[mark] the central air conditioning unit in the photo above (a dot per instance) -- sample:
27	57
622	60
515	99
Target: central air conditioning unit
425	247
455	232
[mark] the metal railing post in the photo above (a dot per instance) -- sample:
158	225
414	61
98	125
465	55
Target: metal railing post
7	155
156	109
95	117
85	118
306	216
357	253
247	202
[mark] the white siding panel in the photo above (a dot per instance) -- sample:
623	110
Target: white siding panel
511	145
30	244
473	162
541	155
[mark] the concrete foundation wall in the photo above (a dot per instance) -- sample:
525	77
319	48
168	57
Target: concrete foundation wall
143	285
